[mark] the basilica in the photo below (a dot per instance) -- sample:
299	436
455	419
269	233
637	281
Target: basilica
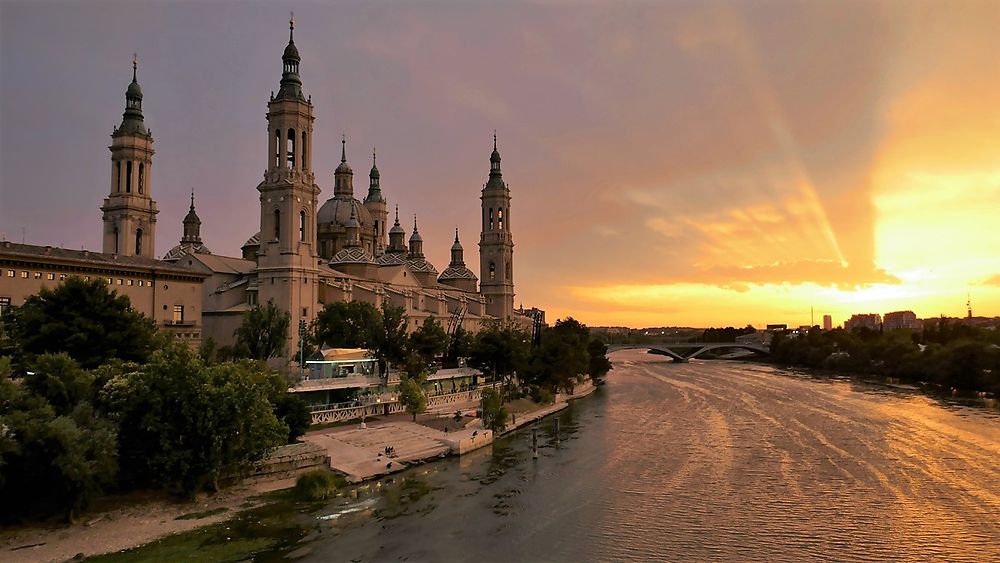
306	253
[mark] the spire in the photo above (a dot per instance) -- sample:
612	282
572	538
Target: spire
457	253
396	235
416	241
192	225
495	157
374	191
291	84
343	176
132	120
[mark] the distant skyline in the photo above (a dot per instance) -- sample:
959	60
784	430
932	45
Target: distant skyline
679	164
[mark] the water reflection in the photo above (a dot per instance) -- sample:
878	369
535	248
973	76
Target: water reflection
711	460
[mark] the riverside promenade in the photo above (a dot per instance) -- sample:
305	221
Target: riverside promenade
360	453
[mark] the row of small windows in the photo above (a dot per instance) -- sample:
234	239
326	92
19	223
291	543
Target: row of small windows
62	277
498	220
289	144
141	180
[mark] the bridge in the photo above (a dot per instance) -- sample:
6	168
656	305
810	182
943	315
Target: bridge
683	351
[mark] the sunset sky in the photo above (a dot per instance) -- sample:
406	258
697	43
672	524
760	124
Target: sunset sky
687	163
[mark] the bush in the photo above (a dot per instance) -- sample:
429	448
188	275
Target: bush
318	484
542	395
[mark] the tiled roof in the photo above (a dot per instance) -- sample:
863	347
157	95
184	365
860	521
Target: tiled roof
10	250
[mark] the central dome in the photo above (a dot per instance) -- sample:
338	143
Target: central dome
337	211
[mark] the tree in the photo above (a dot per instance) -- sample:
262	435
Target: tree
60	381
459	346
85	320
348	324
562	355
50	462
263	333
391	343
294	412
502	349
599	363
184	425
412	396
429	341
494	413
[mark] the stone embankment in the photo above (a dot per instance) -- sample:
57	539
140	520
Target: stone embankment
361	453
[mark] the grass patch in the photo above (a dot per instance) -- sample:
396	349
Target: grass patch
202	514
271	527
318	484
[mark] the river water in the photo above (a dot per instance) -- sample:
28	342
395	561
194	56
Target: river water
708	460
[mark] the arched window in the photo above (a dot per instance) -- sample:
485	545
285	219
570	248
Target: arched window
128	177
142	175
138	242
500	218
491	218
118	176
302	225
493	271
116	239
277	224
304	150
277	148
290	148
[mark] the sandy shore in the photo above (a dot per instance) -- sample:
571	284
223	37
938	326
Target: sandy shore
125	527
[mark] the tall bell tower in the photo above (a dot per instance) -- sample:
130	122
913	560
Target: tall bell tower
287	270
496	245
129	210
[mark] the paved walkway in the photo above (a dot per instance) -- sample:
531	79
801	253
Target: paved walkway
360	454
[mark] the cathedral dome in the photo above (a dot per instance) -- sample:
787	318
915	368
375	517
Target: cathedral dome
337	212
291	52
183	249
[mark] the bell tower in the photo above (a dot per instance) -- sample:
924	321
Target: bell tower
496	245
129	210
287	270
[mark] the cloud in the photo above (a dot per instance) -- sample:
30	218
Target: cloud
995	280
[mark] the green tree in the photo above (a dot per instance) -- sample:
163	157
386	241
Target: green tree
412	396
85	320
294	412
494	413
599	363
60	381
263	333
391	343
49	462
184	425
429	341
459	346
502	349
562	356
349	324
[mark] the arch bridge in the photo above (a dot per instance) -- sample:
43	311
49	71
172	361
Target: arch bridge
681	352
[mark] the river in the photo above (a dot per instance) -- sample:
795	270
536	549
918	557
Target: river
709	460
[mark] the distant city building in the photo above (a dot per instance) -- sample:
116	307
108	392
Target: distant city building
538	315
827	322
900	319
870	321
777	327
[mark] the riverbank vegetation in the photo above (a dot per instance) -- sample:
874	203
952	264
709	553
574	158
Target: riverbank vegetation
83	413
947	354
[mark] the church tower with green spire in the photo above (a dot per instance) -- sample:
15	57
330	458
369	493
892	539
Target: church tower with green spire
496	245
129	210
287	270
